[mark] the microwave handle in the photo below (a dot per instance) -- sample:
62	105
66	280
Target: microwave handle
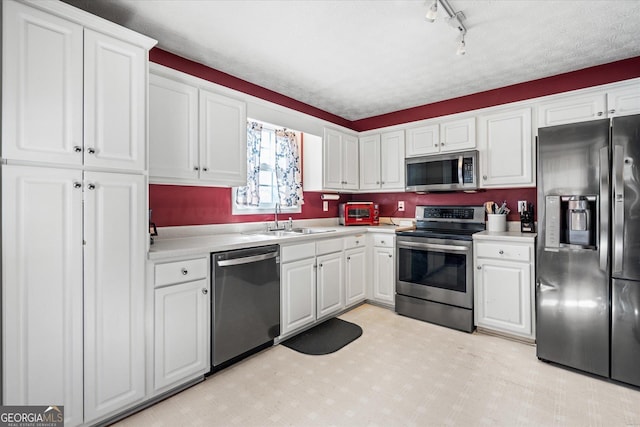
460	163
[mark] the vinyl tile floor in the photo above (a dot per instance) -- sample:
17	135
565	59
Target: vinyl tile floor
400	372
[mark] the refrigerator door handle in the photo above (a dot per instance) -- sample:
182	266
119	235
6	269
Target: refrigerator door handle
618	207
604	207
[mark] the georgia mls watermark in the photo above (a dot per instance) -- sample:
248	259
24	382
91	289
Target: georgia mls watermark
31	416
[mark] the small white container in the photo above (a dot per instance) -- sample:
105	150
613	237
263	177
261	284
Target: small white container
496	222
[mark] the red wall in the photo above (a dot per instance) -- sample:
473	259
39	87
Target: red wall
185	205
389	201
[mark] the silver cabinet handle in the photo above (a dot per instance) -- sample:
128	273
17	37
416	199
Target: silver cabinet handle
91	186
77	185
184	271
205	291
195	168
91	150
77	149
501	252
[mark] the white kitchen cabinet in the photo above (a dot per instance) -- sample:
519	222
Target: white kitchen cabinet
195	136
443	137
382	161
623	101
505	149
298	294
85	90
423	140
330	284
115	222
340	161
383	267
42	288
173	129
504	298
181	331
355	275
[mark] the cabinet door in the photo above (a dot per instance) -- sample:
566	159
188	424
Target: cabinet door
332	160
223	140
181	332
423	140
369	162
458	135
624	101
173	129
42	83
350	170
115	226
392	160
355	275
504	296
506	152
42	288
298	294
115	88
330	284
572	110
384	275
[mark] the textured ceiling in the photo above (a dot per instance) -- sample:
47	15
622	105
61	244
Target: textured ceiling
358	59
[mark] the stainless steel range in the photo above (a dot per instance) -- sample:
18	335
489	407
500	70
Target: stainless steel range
434	272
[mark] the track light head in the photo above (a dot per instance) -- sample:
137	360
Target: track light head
432	13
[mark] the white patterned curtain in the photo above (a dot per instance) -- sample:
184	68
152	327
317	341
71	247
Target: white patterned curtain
288	168
250	195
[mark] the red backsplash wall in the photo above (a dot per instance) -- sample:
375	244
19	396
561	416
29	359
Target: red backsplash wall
174	205
389	201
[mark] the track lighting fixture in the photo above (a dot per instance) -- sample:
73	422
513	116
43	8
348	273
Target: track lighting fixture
453	18
432	13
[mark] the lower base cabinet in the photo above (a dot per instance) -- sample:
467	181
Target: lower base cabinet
504	287
298	294
355	275
383	255
330	284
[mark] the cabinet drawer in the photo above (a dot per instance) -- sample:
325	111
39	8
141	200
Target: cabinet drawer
295	252
180	271
383	240
355	241
504	251
328	246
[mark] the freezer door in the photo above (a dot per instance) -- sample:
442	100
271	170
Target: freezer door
626	197
625	331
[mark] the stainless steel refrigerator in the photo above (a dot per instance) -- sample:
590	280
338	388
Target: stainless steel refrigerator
588	247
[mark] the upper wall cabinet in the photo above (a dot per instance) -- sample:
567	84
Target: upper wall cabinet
620	101
505	149
452	135
85	89
340	160
195	136
382	161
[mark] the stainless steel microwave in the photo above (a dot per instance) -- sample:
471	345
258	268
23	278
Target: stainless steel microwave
444	172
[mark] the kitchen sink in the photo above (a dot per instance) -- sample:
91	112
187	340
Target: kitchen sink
292	232
309	230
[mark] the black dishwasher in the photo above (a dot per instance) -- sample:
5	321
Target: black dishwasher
245	303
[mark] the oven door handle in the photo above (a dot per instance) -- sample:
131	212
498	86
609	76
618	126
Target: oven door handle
433	246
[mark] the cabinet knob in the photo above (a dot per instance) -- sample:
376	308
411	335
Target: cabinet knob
184	271
612	111
195	168
91	186
501	252
77	149
77	185
205	291
442	143
378	182
205	169
320	265
91	150
357	242
484	177
479	268
600	113
390	256
382	242
435	145
348	258
382	182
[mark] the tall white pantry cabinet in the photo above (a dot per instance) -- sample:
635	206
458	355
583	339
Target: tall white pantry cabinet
74	210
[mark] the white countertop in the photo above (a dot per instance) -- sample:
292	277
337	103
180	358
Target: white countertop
206	243
513	236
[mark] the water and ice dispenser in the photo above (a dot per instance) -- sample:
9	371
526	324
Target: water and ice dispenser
570	221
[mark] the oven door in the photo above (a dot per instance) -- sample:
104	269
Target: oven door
438	270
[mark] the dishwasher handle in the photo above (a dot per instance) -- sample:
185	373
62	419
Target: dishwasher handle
246	260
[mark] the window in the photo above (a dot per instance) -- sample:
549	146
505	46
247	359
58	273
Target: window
273	171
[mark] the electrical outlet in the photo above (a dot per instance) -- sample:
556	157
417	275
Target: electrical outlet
325	206
522	206
401	206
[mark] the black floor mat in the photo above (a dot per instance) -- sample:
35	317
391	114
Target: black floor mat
325	338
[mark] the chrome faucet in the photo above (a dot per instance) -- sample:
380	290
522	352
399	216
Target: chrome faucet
275	214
